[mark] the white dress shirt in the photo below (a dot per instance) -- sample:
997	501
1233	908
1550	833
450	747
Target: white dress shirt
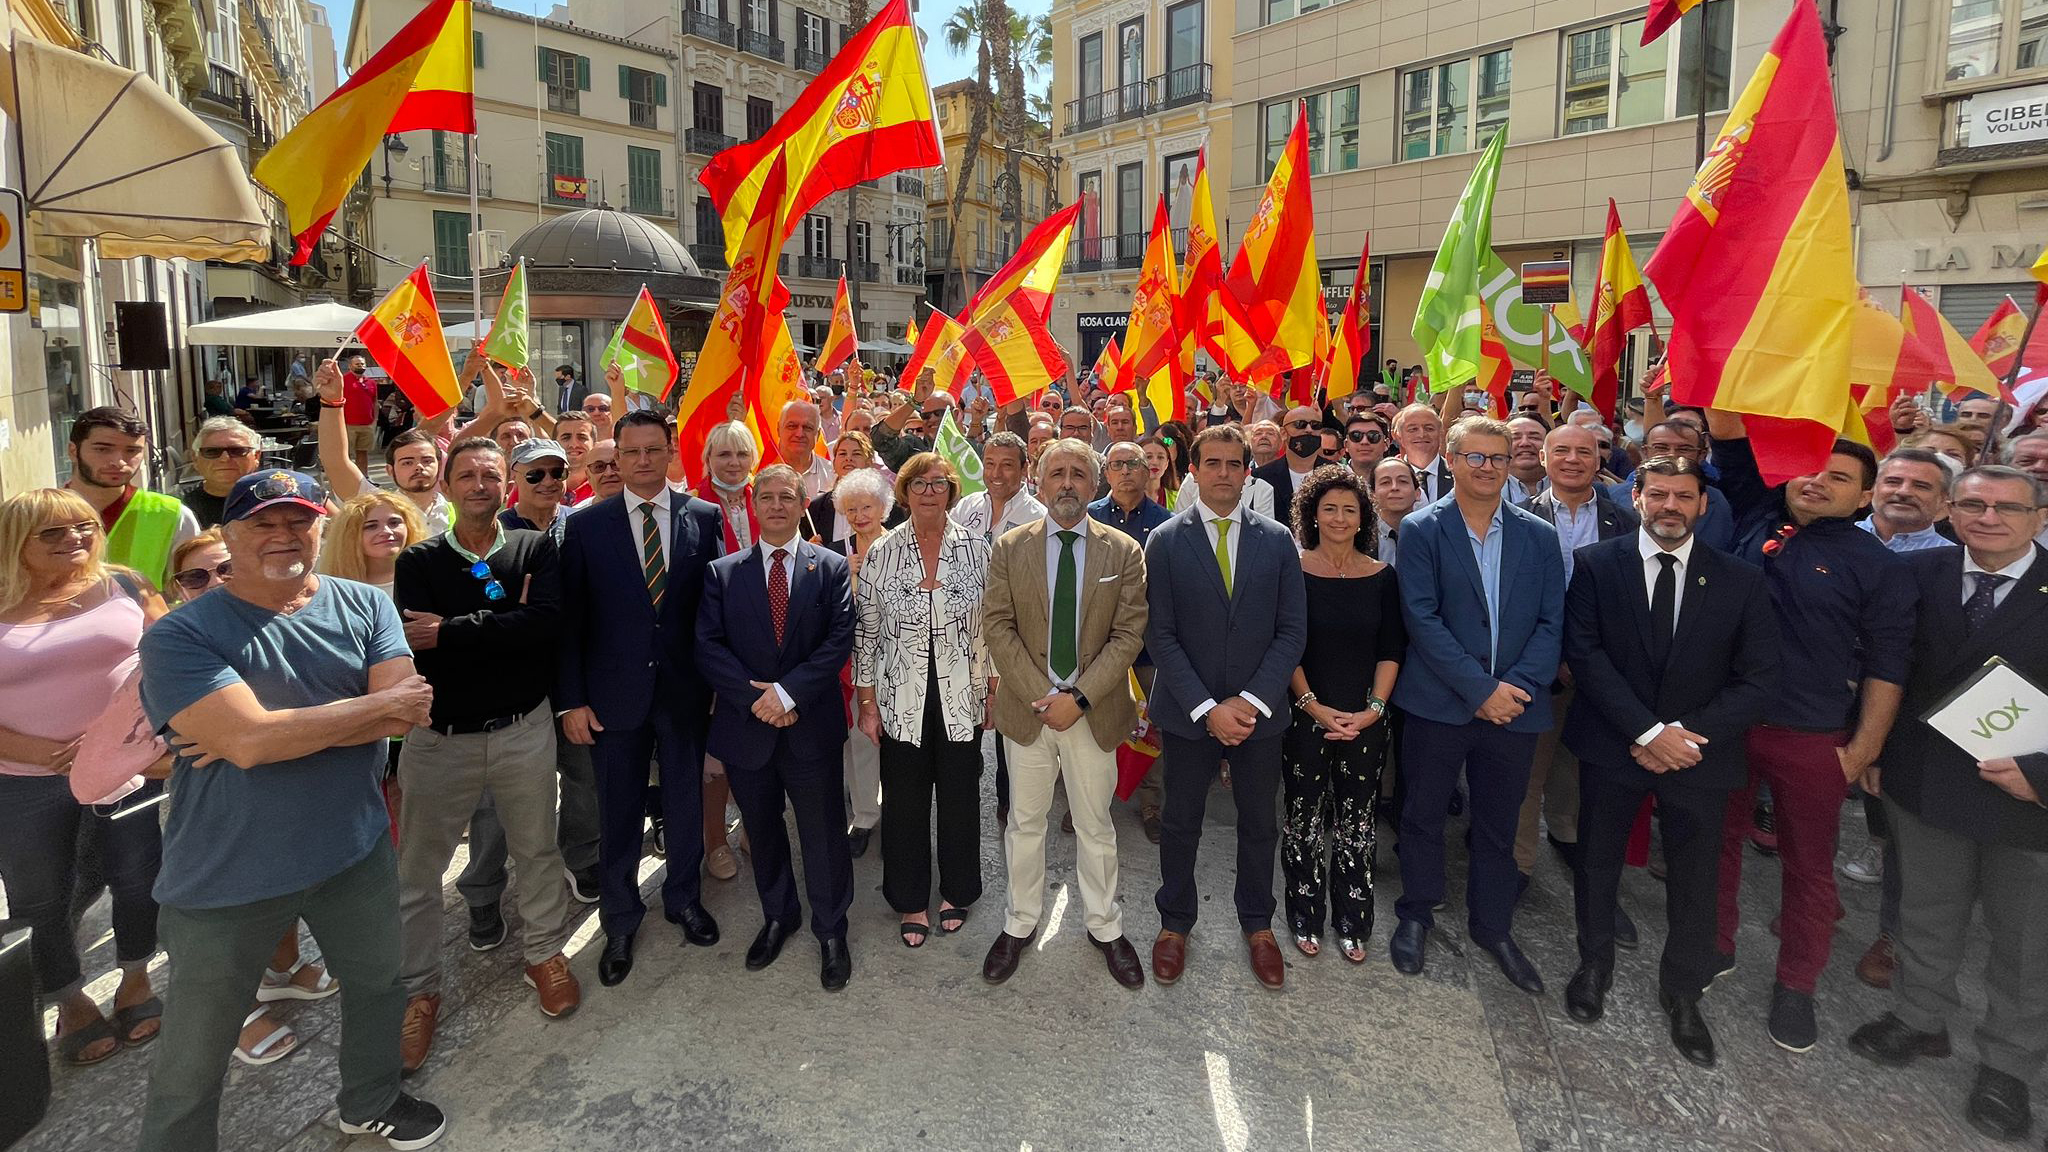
768	580
973	512
1052	578
1427	480
1230	547
818	478
1649	548
636	520
2012	573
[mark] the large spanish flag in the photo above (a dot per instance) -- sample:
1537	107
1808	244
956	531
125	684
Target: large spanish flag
403	335
1345	367
1958	369
1201	311
1152	344
940	349
741	345
867	115
1006	320
318	161
1620	305
841	339
1271	293
1758	266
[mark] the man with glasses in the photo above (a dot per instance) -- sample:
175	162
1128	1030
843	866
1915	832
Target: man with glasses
227	450
1974	832
540	472
1365	443
1126	507
1482	592
1684	436
478	597
598	407
1304	444
108	448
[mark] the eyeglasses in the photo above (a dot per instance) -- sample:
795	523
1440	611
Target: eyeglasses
84	530
536	475
1365	436
1485	459
2009	508
929	484
1125	465
232	451
198	579
1777	541
492	589
590	465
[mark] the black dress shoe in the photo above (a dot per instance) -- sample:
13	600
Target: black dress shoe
697	925
1123	961
1001	962
1515	966
1624	929
1585	998
1894	1043
1998	1105
1406	947
767	945
616	961
857	841
835	965
1689	1032
1521	886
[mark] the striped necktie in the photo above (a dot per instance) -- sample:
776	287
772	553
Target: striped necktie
651	564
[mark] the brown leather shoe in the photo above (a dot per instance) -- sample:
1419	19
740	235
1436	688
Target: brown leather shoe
1266	962
1003	956
1123	961
416	1034
1878	964
559	992
1153	827
1169	956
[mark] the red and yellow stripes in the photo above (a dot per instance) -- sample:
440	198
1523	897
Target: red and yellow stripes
1620	305
840	339
1353	338
1006	333
1201	310
1271	293
941	347
1152	343
403	334
747	334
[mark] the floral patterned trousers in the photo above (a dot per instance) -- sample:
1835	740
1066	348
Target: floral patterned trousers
1327	830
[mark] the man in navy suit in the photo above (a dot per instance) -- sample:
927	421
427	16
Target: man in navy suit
1675	647
773	630
632	571
1482	592
1229	620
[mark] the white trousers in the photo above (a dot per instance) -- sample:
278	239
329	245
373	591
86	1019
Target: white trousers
1091	784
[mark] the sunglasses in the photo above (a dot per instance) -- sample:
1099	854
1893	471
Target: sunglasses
1777	541
84	530
492	589
1365	436
198	579
536	475
232	451
1301	425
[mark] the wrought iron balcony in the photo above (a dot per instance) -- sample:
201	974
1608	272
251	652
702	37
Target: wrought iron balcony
810	59
705	142
710	28
761	44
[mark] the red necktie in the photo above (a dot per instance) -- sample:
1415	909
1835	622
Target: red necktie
778	591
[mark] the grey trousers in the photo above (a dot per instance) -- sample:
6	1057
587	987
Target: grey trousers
444	777
482	882
1943	876
1553	789
218	956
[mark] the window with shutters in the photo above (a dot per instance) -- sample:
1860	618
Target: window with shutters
818	237
707	108
643	182
760	117
860	241
451	243
643	92
567	76
566	183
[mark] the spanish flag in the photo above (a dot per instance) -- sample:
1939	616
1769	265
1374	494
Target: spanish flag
1998	341
1272	293
1758	268
780	380
867	115
419	79
1201	311
1620	305
1663	14
1344	367
740	347
403	334
1152	344
1006	320
1109	368
1888	357
840	338
1160	400
640	348
1958	369
940	349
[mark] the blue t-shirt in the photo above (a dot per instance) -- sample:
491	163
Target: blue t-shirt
234	835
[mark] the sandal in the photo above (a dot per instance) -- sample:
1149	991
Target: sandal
1308	943
1353	948
279	1043
950	919
911	928
72	1045
126	1020
285	985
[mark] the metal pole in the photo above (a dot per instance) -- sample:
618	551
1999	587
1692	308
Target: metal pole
476	252
1699	35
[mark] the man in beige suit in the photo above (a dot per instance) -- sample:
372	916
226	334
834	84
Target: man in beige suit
1064	618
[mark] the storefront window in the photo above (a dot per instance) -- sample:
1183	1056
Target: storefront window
54	309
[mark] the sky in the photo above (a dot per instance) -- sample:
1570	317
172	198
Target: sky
943	66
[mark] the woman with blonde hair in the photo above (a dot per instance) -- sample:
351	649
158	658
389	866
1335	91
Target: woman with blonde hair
366	536
69	626
729	459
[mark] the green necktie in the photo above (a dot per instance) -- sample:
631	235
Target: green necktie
1064	594
1223	550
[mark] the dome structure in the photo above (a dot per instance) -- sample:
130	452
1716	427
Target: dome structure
600	239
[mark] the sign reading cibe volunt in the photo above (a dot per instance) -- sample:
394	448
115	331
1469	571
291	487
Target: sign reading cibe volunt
13	254
2010	116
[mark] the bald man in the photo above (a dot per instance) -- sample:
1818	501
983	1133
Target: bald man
1298	457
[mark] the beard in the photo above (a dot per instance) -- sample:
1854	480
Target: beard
1667	529
280	570
1067	506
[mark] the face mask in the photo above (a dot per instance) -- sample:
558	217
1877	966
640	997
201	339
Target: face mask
1307	444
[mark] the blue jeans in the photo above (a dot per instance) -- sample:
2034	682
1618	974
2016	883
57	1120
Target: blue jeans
40	826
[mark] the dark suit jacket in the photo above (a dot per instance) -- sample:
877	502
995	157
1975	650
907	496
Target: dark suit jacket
736	645
1722	669
1617	518
1281	477
616	649
1443	602
1924	771
1442	472
1208	645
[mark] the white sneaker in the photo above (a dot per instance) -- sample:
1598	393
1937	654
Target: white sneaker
410	1123
1866	866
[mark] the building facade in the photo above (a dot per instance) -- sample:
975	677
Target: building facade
995	214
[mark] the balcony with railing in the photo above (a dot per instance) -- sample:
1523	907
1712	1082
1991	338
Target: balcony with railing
818	267
705	142
1085	254
1130	249
909	185
223	94
810	59
571	191
761	44
651	201
642	114
708	27
453	178
910	275
865	271
1189	84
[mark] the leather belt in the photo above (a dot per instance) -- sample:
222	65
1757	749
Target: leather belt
477	727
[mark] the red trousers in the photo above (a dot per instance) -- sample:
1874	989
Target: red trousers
1807	787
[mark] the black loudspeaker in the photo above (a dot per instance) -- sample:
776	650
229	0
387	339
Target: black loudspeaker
143	335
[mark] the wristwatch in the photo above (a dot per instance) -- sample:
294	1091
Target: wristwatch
1378	705
1077	695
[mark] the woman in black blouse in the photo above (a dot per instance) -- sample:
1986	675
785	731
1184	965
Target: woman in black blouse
1337	744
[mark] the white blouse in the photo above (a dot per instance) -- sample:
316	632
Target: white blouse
897	624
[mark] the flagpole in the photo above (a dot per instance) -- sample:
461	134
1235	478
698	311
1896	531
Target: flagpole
2019	361
476	252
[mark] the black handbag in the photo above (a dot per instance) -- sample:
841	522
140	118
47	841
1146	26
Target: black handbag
24	1061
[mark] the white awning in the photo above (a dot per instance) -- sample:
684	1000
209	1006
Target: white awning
327	325
110	155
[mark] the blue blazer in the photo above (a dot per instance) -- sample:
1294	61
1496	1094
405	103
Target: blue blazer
616	649
1443	602
1211	646
736	645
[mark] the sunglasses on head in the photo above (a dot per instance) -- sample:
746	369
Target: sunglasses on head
232	451
196	579
554	472
492	589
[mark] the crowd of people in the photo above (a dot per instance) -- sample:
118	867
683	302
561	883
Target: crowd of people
271	705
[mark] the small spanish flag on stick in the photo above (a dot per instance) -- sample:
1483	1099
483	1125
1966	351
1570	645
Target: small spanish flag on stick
641	350
403	334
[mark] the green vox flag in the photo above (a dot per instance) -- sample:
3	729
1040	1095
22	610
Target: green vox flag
1521	329
1447	316
507	342
952	444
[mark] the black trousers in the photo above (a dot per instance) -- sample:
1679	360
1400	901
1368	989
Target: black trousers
915	777
1690	818
1496	764
818	798
620	758
1191	767
1328	830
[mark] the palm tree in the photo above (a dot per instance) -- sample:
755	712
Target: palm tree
967	27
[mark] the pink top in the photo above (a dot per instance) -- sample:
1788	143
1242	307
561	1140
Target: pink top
58	676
